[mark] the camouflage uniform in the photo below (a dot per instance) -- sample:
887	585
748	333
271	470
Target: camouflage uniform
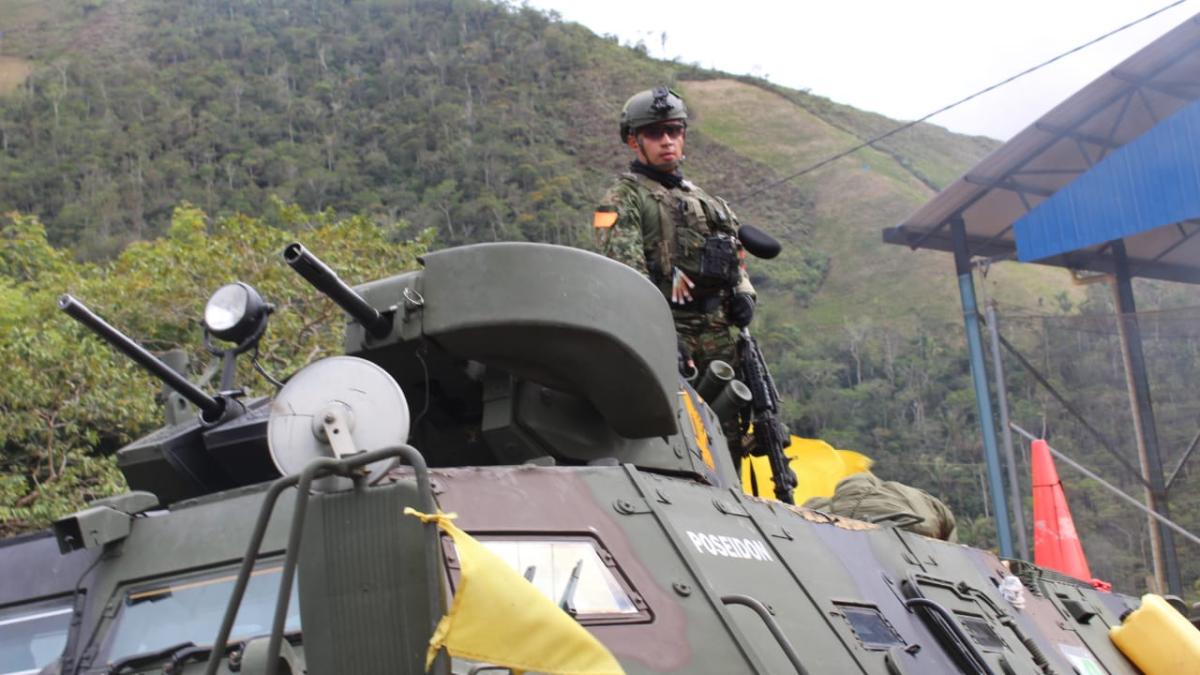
659	228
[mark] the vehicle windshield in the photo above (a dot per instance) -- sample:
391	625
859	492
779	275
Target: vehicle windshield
189	609
31	636
568	572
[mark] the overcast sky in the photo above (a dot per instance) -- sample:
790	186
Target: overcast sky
903	59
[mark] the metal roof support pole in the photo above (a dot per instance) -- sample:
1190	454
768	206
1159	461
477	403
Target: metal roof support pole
966	290
1014	484
1162	541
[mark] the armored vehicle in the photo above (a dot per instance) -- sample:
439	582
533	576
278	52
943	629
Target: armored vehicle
533	391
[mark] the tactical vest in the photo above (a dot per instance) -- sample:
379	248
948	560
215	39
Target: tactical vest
697	233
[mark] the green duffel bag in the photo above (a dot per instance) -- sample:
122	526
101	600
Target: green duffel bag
864	496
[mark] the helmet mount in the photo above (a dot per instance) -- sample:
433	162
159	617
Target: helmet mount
661	105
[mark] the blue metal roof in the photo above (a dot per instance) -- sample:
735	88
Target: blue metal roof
1067	145
1148	183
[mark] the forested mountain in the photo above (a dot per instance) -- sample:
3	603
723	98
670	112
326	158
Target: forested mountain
442	122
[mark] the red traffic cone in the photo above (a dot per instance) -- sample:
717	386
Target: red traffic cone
1055	542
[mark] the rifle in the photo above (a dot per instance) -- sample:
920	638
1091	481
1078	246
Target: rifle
770	436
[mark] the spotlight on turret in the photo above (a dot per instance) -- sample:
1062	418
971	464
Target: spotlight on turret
236	313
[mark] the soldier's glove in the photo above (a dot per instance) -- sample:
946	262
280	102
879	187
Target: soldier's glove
741	309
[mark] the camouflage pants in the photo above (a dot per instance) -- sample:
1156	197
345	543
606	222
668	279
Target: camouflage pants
708	338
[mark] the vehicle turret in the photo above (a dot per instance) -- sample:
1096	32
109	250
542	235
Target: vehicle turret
505	353
509	353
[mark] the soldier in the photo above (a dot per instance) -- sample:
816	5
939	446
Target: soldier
683	239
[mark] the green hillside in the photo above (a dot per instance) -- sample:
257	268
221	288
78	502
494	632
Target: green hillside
339	108
483	121
853	198
448	122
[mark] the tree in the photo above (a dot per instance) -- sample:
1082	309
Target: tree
68	400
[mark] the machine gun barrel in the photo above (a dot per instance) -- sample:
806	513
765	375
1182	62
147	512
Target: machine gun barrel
326	280
211	407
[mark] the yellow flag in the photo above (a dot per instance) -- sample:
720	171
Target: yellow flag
498	617
818	467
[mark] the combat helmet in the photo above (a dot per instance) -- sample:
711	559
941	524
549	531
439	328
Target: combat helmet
652	105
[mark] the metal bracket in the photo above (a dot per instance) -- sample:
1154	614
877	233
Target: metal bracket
336	427
731	508
778	532
631	507
413	301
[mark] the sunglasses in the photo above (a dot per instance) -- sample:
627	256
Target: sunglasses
655	132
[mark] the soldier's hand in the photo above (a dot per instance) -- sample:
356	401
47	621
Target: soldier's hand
687	366
681	287
741	309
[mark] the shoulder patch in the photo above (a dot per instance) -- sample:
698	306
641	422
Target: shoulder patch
604	217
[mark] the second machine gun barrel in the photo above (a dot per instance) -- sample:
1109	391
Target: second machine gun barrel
212	408
326	280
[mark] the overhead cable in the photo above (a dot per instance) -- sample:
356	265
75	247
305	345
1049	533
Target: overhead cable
981	92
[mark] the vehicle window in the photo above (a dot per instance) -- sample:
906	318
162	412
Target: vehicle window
190	609
569	572
33	635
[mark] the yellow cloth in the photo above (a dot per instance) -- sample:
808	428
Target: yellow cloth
817	464
498	617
